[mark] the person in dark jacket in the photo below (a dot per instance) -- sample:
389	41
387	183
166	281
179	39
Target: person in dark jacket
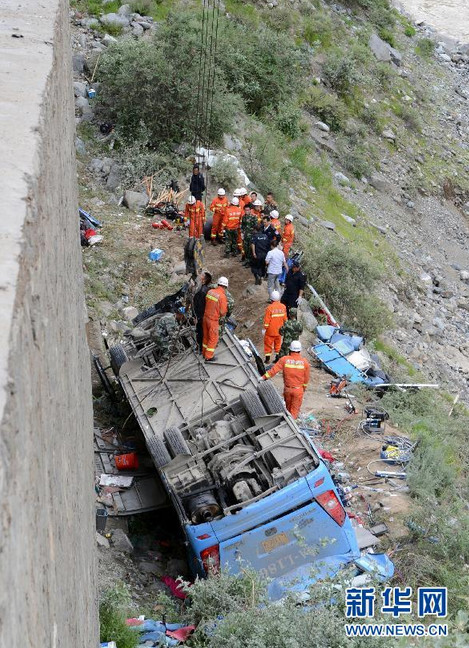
198	305
294	287
260	245
270	230
197	185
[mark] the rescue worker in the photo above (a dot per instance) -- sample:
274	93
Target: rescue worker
218	207
275	221
288	235
270	204
231	227
197	185
256	209
198	305
296	371
216	308
195	214
274	318
163	332
294	286
260	245
244	198
291	330
248	227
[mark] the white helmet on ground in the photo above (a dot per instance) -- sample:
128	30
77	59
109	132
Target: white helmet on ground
295	346
235	201
237	192
257	203
223	281
289	217
274	213
221	192
275	296
191	200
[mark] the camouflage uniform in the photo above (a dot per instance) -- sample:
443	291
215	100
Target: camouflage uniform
163	332
291	330
248	227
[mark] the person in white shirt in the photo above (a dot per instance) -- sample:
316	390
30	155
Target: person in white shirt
275	262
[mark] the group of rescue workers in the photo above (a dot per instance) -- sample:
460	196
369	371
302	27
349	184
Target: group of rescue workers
248	227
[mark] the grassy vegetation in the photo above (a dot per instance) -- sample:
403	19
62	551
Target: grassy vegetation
113	610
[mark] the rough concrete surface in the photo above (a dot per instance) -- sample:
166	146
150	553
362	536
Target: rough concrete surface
47	540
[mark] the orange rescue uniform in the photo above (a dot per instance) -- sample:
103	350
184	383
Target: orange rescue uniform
216	306
296	371
232	217
218	207
195	214
274	318
288	237
276	224
258	214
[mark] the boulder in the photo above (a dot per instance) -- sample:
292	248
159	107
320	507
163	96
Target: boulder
380	184
95	165
342	179
80	147
322	126
464	276
108	39
349	219
135	200
137	30
83	106
115	19
113	179
101	541
78	63
145	25
124	10
121	542
129	313
80	89
304	221
389	134
383	51
328	225
106	166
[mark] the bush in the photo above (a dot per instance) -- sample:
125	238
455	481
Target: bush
326	107
346	282
425	47
410	31
148	85
136	161
225	173
113	607
341	72
387	35
288	120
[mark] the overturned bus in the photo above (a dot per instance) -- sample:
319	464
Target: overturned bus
248	485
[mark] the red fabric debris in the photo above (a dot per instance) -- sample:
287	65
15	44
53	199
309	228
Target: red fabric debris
176	586
182	634
327	456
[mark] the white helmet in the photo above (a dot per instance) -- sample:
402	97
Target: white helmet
257	203
295	346
243	191
237	192
223	281
275	296
289	217
191	200
274	213
221	192
235	201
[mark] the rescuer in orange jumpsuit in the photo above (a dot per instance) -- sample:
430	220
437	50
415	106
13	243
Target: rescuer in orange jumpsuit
216	307
296	372
288	235
274	318
274	221
195	214
232	227
256	210
218	206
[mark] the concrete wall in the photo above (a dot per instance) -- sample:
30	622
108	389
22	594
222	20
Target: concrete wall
47	544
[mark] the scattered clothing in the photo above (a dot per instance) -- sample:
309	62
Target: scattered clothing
176	586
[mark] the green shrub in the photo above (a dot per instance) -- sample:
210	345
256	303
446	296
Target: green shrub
341	72
148	86
346	282
113	611
288	120
225	173
326	106
321	29
136	161
410	31
425	47
142	7
387	35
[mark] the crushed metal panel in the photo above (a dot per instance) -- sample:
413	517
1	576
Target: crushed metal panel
147	494
186	389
